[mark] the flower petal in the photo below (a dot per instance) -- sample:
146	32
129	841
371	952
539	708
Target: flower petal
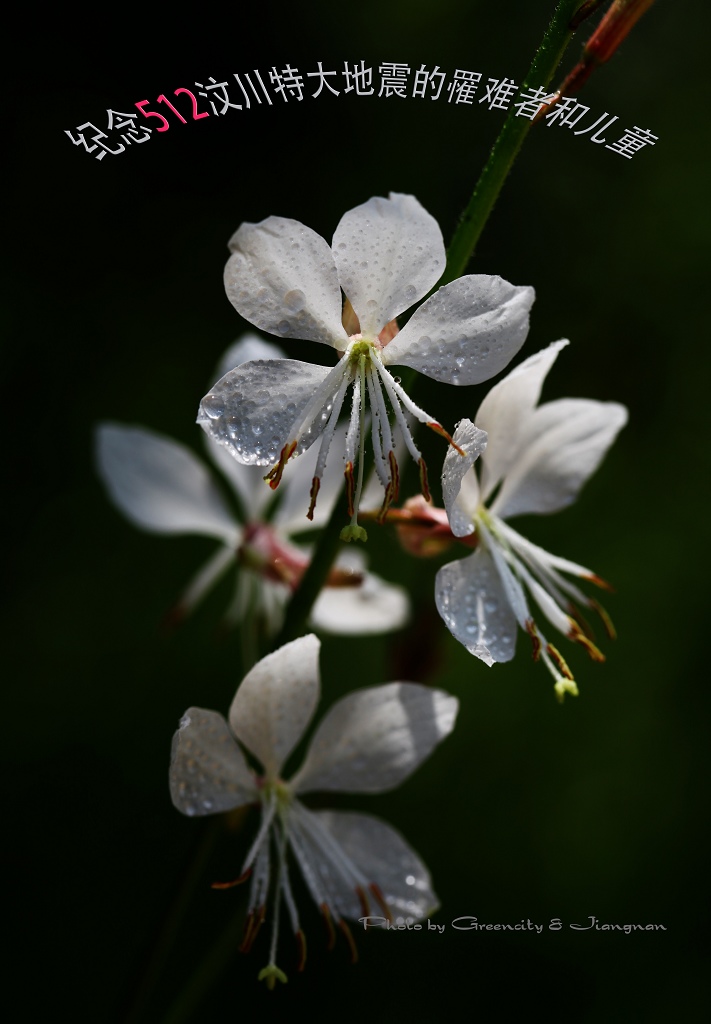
276	700
246	349
208	772
282	278
389	253
472	600
373	607
253	408
248	482
466	332
460	488
160	485
505	412
374	738
386	860
565	442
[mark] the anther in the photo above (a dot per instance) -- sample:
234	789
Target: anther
349	939
606	620
560	661
424	487
229	885
315	485
329	926
535	639
579	637
439	429
380	900
275	473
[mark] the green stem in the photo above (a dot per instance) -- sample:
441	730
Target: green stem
209	970
174	919
299	608
510	139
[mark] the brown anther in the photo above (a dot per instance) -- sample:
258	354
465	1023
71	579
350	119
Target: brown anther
380	900
315	485
560	661
439	429
230	885
424	486
535	639
301	943
363	900
350	486
349	939
606	620
254	922
392	491
579	637
600	582
275	473
329	926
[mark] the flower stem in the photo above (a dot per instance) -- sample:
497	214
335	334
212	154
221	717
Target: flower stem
299	608
566	18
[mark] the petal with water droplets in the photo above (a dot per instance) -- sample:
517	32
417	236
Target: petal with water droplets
374	738
466	332
208	772
389	253
282	278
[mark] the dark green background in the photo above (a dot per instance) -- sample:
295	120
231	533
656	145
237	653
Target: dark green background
529	810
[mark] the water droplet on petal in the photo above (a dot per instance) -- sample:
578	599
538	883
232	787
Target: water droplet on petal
294	300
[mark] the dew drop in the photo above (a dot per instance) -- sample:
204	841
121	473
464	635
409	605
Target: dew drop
294	300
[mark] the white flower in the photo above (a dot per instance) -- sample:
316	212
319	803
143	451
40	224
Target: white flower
161	486
386	255
368	742
534	459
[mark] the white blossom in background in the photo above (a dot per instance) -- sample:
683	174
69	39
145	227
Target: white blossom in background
163	487
533	459
368	742
386	255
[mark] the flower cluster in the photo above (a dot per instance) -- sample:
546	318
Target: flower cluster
386	255
161	486
266	411
369	742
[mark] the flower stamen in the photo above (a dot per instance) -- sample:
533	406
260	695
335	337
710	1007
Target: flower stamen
230	885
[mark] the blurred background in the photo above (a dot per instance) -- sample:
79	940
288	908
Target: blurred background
117	311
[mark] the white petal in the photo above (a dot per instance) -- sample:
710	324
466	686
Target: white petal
385	859
373	607
566	441
374	738
505	412
460	489
282	278
471	599
244	350
247	481
389	253
206	577
466	332
253	408
276	700
208	772
160	485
